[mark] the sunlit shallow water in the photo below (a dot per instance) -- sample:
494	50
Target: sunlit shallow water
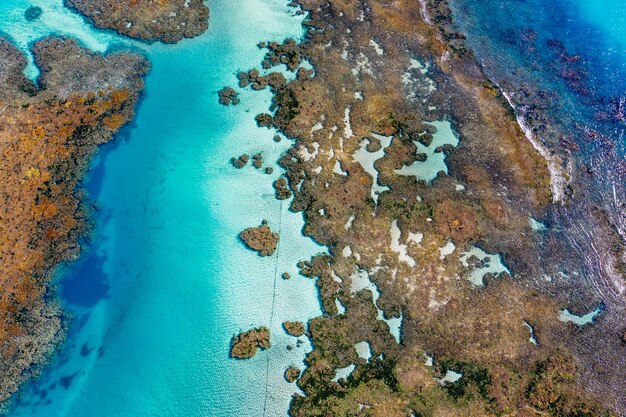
166	282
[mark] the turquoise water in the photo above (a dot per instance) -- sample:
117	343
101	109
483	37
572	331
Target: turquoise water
166	283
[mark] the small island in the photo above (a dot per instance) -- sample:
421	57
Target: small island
260	239
294	328
166	21
246	344
292	374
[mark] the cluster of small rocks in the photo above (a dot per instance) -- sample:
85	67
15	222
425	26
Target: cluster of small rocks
241	161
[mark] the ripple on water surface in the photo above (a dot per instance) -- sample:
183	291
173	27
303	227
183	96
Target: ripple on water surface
166	283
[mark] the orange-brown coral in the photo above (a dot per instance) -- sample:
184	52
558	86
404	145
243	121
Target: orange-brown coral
167	21
47	137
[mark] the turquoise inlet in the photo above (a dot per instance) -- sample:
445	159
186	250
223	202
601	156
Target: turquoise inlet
165	283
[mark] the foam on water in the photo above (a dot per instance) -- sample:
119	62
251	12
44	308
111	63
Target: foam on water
179	282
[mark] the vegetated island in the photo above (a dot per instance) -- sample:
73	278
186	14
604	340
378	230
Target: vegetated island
246	344
48	134
260	239
167	21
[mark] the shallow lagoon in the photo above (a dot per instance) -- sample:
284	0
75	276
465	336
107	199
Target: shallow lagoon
172	282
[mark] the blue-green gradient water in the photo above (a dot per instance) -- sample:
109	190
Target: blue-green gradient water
166	283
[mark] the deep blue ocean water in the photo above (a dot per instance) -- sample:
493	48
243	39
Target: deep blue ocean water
569	56
164	284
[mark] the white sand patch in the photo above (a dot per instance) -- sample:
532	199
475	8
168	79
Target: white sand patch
309	156
436	161
317	170
536	225
361	281
532	339
364	350
415	237
368	159
399	248
487	264
379	50
317	126
337	169
566	316
347	130
459	187
340	307
348	224
450	377
358	95
446	250
428	360
344	372
346	252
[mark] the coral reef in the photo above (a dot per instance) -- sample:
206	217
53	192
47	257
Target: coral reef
406	250
260	239
294	328
166	21
47	138
246	344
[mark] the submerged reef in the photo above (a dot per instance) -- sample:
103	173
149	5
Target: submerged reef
440	271
166	21
246	344
47	137
260	239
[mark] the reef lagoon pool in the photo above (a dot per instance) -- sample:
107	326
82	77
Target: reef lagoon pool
165	283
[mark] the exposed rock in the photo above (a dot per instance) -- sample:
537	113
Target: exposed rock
286	275
277	138
260	239
246	344
166	21
292	374
294	328
269	170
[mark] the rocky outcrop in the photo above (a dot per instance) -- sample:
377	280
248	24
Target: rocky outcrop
47	137
245	345
260	239
166	21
